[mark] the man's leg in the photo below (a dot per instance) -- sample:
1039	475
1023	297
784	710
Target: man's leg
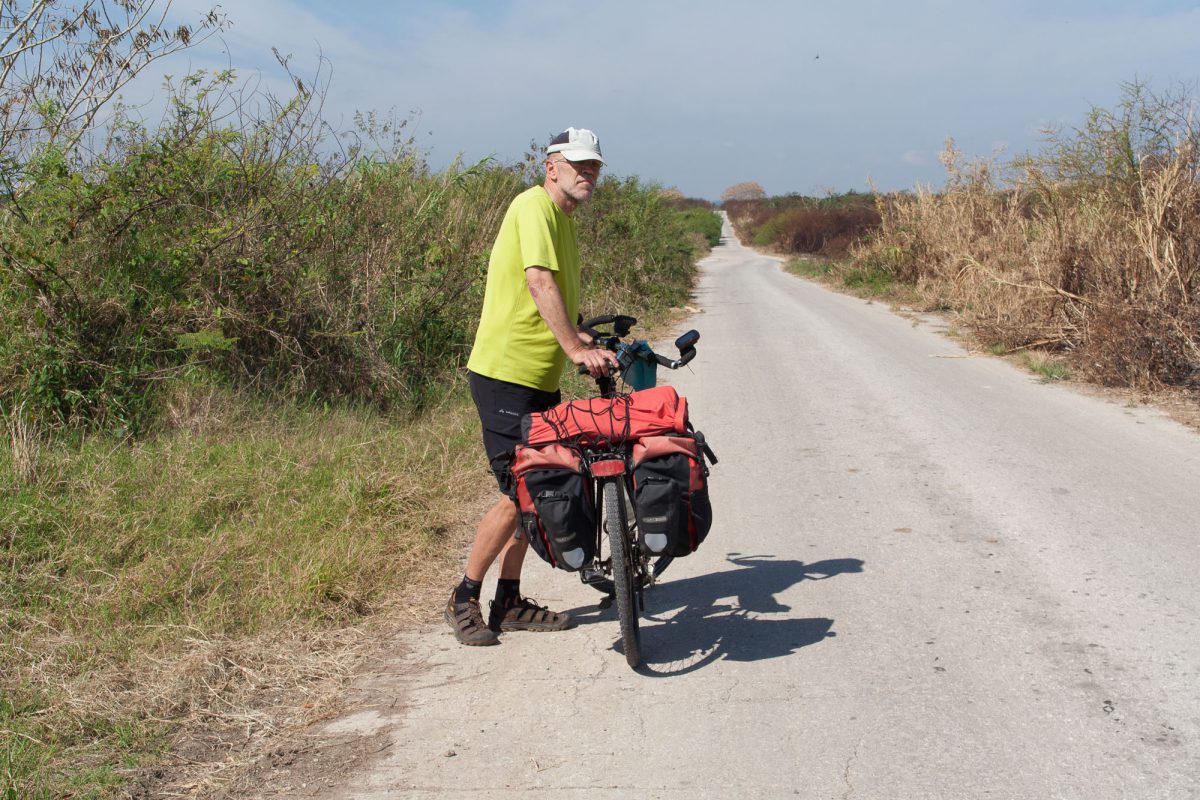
512	558
494	535
500	407
512	612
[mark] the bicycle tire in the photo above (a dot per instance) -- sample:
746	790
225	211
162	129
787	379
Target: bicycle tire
622	567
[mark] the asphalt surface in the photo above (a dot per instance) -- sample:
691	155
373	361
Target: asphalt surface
930	576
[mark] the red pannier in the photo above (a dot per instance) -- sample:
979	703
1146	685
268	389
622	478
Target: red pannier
601	421
554	498
670	495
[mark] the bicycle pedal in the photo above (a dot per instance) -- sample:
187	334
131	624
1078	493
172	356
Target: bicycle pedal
591	576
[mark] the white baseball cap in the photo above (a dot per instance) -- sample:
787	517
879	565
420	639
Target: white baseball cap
576	144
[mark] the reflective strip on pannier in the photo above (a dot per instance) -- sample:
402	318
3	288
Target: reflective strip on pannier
554	498
599	421
670	495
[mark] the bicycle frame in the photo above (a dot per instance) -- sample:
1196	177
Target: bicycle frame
616	523
611	465
627	571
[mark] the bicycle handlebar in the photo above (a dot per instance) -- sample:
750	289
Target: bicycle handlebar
684	358
621	325
627	352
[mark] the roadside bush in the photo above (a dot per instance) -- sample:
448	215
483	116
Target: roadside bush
245	256
636	252
794	225
238	253
702	221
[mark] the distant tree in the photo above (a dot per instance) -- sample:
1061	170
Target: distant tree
747	190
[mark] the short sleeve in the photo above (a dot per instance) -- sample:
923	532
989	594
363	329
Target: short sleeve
536	237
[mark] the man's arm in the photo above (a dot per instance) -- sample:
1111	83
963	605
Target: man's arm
550	305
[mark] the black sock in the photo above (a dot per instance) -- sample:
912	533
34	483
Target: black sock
467	590
507	590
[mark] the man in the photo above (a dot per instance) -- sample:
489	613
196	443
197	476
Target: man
526	336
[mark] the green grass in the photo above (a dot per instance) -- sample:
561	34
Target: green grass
132	560
868	281
703	221
1048	367
862	279
810	267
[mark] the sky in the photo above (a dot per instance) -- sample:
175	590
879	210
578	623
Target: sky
802	97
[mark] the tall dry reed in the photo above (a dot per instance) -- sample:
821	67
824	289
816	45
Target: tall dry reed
1090	248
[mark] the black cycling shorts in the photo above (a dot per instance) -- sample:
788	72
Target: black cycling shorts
501	405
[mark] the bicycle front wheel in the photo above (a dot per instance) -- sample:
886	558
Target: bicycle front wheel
622	568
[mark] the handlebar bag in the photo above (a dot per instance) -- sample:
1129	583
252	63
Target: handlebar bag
554	498
670	495
602	421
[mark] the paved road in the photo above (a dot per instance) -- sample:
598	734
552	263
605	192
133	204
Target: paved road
931	576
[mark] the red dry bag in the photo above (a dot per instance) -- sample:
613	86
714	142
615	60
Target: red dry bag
601	421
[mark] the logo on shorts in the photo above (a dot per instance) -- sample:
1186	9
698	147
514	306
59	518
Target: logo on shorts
506	411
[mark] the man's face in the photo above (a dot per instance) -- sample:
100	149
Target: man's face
576	179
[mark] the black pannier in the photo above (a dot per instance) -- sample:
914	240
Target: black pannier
556	507
670	495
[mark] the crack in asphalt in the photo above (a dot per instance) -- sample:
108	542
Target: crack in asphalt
850	765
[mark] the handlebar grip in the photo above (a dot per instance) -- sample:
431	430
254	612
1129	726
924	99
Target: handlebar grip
676	363
620	322
604	320
589	326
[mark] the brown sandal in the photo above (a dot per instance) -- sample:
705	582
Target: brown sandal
524	614
466	620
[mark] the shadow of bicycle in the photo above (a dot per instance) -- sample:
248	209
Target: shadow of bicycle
691	623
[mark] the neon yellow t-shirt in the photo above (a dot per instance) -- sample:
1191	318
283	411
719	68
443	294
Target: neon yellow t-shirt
513	342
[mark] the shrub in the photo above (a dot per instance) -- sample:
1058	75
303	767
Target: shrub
704	222
637	256
793	225
241	255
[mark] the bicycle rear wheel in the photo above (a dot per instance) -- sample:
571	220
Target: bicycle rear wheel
622	567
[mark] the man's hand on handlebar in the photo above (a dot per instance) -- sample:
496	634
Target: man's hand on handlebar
598	363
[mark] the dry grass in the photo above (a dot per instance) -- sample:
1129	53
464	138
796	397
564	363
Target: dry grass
25	448
1104	273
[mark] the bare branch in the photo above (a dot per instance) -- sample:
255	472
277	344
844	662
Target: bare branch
30	22
100	57
58	69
